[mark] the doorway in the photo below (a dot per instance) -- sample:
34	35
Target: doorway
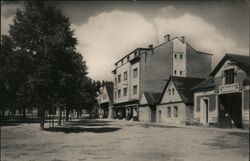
153	114
204	110
159	116
230	110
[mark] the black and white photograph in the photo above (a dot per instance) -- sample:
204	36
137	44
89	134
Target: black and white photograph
135	80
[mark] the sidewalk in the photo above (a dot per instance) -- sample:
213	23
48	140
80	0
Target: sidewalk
164	125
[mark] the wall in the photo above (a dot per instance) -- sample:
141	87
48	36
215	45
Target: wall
198	65
172	97
181	119
104	97
213	110
179	64
245	107
156	66
144	113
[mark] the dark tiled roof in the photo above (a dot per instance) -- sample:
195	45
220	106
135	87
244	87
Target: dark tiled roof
152	98
184	85
240	60
109	86
207	84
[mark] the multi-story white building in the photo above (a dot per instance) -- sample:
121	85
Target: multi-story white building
145	70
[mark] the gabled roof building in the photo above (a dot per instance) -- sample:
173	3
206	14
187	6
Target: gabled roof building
176	102
223	99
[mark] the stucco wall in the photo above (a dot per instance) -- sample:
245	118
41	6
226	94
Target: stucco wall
144	113
197	65
164	118
212	112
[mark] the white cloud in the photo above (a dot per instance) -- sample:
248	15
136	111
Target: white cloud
200	34
7	14
109	36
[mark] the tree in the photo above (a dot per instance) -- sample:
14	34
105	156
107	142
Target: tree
44	33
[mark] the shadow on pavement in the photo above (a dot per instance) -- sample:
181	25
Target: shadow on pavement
68	130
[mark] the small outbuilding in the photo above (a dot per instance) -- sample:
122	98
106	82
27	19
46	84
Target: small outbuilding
176	103
147	108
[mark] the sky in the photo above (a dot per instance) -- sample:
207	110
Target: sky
108	30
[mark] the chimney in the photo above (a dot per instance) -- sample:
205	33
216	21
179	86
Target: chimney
183	39
167	37
150	46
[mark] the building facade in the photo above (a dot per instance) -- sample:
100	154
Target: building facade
147	108
223	99
105	100
145	70
176	103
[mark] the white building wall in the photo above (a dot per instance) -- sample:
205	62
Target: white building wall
179	58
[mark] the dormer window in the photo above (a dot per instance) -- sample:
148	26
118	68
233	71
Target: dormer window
229	76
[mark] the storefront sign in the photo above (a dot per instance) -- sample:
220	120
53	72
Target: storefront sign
228	88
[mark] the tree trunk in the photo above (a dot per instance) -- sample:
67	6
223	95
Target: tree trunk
24	112
60	117
42	116
67	114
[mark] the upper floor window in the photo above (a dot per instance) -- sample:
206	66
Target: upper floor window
175	111
175	71
169	91
125	75
229	76
121	61
125	91
119	78
169	111
180	56
173	91
135	73
115	95
115	81
119	93
175	55
135	89
180	72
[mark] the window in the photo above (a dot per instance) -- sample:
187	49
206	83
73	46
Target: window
175	55
175	111
119	93
180	56
173	91
128	58
104	96
135	73
115	95
169	91
115	81
134	89
125	91
121	61
125	75
174	71
169	111
229	76
119	78
180	72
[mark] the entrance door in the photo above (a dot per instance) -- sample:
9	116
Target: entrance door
153	114
230	112
204	111
159	116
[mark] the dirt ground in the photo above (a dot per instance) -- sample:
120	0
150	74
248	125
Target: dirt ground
103	140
